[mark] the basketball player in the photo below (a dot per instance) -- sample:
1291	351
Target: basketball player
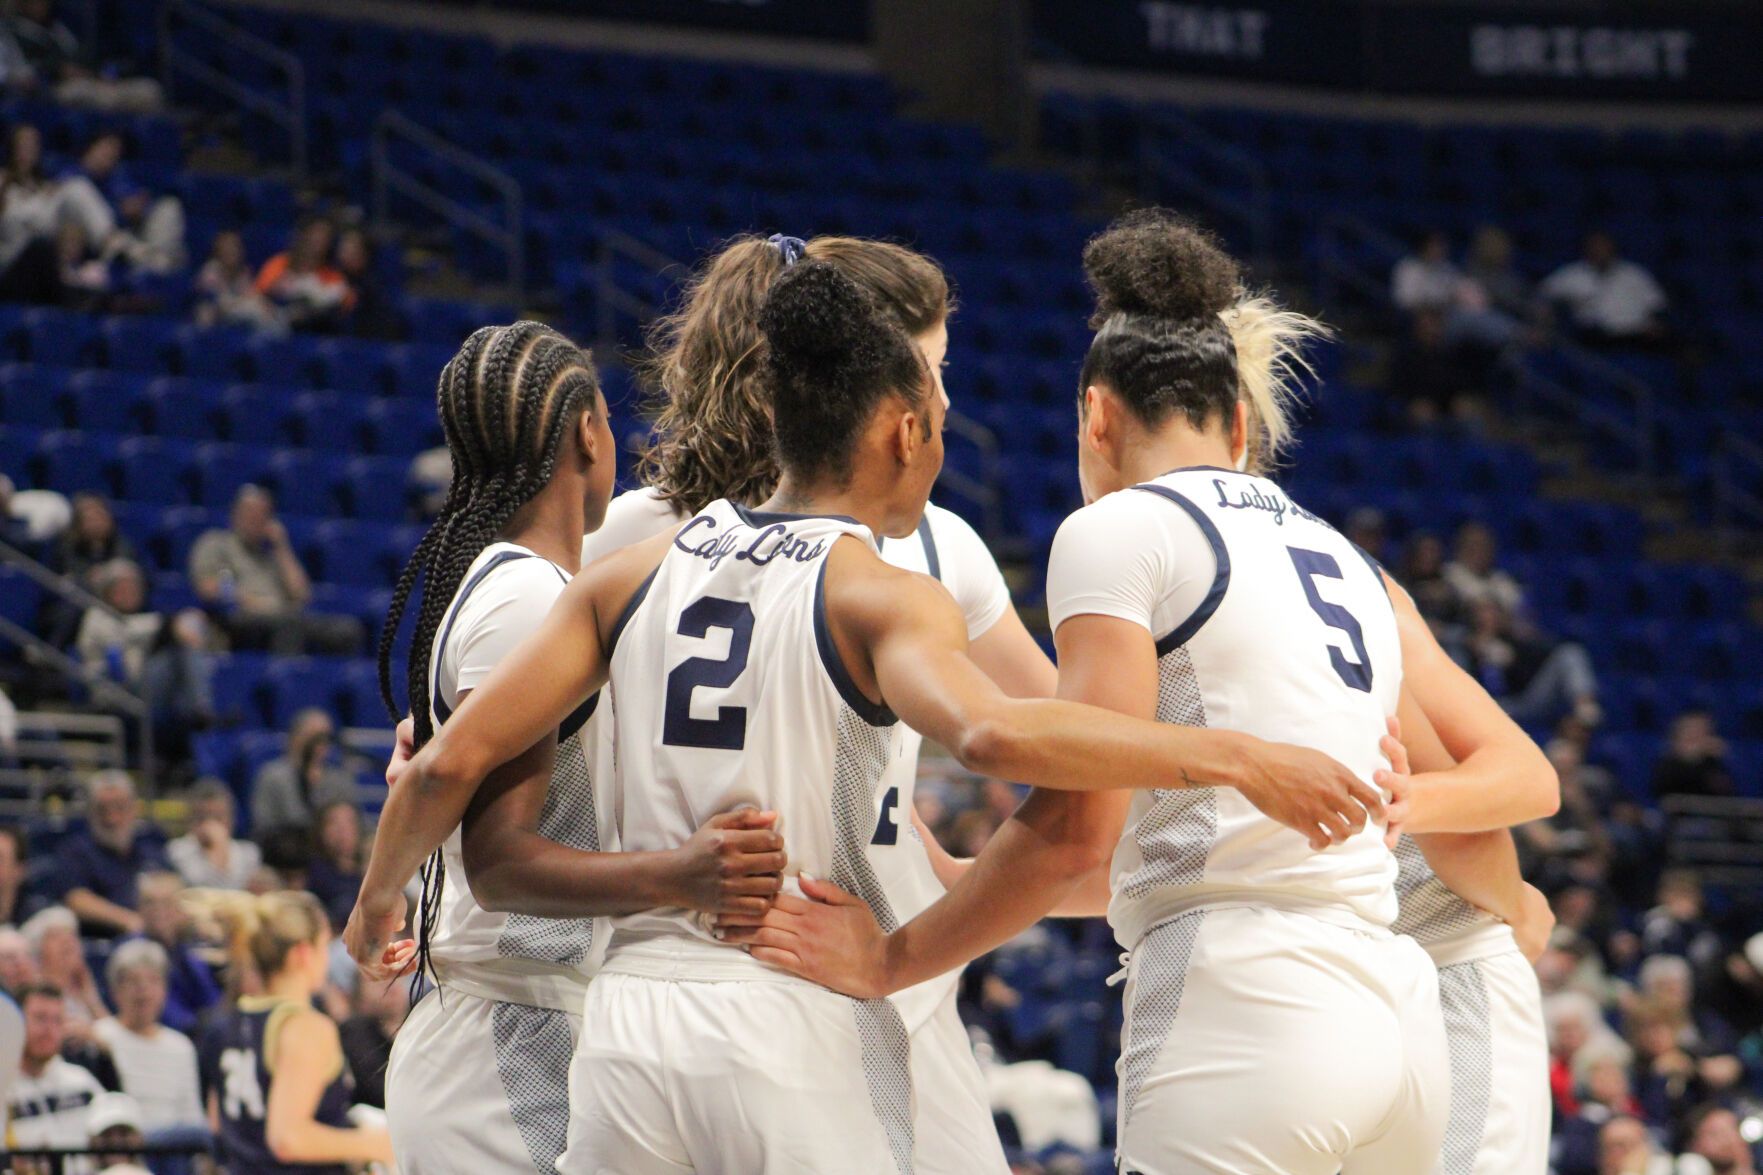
279	1092
759	657
478	1075
1500	1105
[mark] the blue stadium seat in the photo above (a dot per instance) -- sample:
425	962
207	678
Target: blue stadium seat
403	426
252	414
377	487
152	469
72	461
28	396
221	468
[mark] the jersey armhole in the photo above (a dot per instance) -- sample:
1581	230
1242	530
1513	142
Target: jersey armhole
874	713
1184	632
630	610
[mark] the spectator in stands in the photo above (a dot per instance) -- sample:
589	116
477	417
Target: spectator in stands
54	936
114	642
1573	1022
190	987
1668	983
1422	575
310	292
60	67
1426	280
119	219
91	540
1571	845
52	1096
250	574
157	1064
18	963
334	873
1670	1076
30	212
16	903
226	289
1694	762
1625	1148
293	788
1609	300
209	855
1676	926
1712	1131
178	683
31	517
1491	269
1428	374
99	866
1366	529
379	1011
375	314
115	1120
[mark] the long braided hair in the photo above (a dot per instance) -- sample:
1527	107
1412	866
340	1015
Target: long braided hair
507	400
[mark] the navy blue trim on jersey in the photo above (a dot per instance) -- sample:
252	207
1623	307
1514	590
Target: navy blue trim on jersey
1184	632
874	713
1377	570
630	609
932	564
578	718
1203	469
759	519
437	708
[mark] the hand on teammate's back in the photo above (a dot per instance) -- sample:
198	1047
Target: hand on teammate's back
1538	922
1310	793
829	937
403	750
1395	780
733	866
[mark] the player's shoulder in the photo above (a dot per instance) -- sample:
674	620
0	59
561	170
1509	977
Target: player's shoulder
631	517
507	573
1121	515
859	580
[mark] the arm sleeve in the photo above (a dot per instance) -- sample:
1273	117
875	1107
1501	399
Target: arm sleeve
1132	556
502	612
969	572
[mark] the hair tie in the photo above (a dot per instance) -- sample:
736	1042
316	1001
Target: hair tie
791	248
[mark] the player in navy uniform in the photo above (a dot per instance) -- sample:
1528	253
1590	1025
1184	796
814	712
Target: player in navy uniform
279	1091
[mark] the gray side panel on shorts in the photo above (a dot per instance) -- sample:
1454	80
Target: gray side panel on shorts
1177	832
887	1069
1161	971
533	1049
568	818
1429	911
1463	996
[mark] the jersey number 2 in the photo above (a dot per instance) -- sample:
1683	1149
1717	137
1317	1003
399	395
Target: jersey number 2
728	730
1311	564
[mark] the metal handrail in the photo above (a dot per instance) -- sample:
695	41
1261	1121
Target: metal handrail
981	491
64	586
509	236
609	298
43	765
1637	435
289	115
1333	268
1734	505
1256	217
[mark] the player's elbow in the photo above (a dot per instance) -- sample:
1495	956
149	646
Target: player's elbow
283	1142
1544	790
989	745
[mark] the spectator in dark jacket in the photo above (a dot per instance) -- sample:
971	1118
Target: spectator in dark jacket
1694	763
99	866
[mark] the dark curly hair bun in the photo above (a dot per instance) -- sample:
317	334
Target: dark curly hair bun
818	321
1157	263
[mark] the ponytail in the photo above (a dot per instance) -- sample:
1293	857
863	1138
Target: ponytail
259	931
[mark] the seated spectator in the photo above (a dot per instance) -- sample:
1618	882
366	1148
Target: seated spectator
334	873
51	1099
114	642
375	314
54	936
251	576
1625	1148
1367	530
99	866
59	66
209	855
1600	1072
379	1011
118	218
226	289
91	540
1425	280
1573	1023
293	788
157	1064
1712	1131
1669	984
1670	1076
1677	925
310	293
115	1120
30	212
1422	575
16	902
1694	762
18	962
1429	376
1490	268
190	986
1572	845
1610	301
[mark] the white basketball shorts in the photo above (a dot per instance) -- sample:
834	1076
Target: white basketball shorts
1261	1042
1499	1068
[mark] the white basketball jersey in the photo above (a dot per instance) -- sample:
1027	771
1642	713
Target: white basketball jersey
1268	622
1451	929
505	595
727	692
944	547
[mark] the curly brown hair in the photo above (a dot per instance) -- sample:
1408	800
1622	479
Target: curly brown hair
712	430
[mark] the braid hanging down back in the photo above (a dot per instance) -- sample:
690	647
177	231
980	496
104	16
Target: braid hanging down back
507	400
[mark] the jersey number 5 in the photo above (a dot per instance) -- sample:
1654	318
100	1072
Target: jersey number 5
728	730
1311	564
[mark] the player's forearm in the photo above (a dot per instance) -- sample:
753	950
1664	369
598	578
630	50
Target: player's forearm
524	873
422	811
1496	787
314	1142
1028	867
1070	747
1089	898
1480	867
